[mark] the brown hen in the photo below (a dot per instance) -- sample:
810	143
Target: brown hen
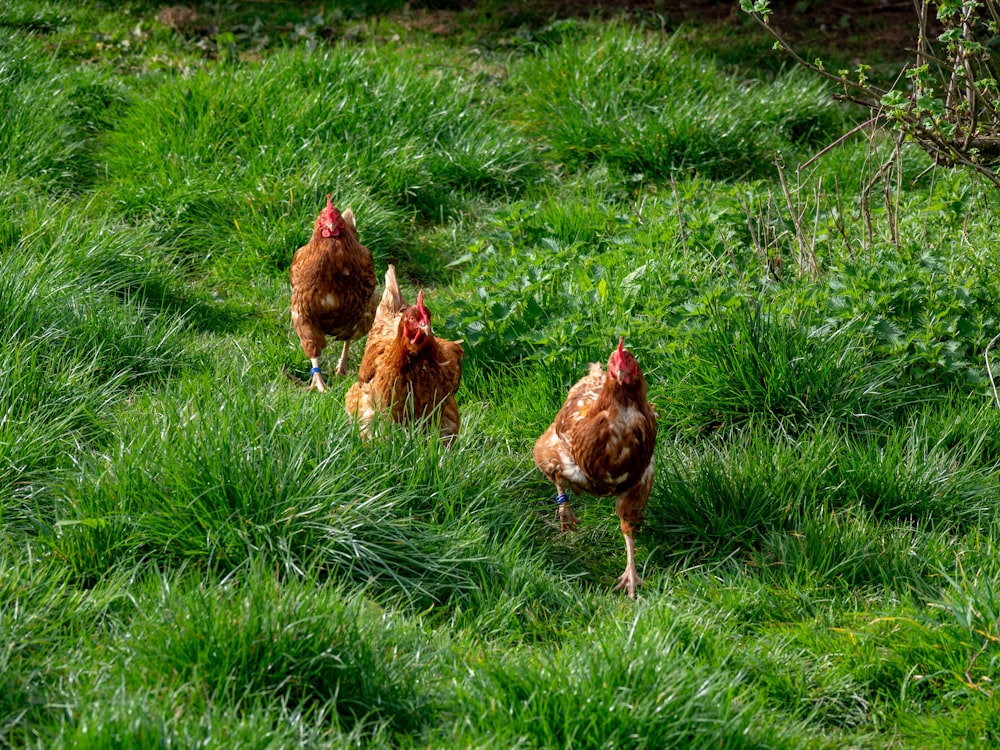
406	372
601	443
333	289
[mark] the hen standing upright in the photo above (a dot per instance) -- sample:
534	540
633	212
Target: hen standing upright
601	442
406	372
333	289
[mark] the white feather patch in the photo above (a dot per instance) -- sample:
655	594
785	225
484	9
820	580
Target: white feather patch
570	470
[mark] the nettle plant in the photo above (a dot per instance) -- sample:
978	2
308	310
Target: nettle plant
945	100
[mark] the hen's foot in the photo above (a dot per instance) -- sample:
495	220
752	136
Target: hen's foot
316	383
629	581
567	518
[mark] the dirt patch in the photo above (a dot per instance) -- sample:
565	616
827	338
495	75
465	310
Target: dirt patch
868	30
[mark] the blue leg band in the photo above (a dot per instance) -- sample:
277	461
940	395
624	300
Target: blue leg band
315	371
562	498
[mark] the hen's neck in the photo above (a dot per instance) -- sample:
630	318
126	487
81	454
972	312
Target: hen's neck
404	356
623	394
321	242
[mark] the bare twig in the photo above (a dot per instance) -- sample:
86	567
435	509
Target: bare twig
806	260
989	369
826	149
677	206
848	84
866	192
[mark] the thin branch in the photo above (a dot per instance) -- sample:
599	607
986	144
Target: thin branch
853	131
989	369
786	47
805	259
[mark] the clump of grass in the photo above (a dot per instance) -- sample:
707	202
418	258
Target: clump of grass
847	549
820	507
627	680
45	626
84	321
953	650
95	289
135	718
641	104
909	476
722	498
52	118
48	411
796	670
749	362
256	637
38	145
28	638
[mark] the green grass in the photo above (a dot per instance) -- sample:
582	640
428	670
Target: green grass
197	552
612	98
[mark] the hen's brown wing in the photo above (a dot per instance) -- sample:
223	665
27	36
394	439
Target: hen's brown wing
555	450
448	358
581	401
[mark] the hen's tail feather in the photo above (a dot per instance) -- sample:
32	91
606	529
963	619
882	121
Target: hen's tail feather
392	298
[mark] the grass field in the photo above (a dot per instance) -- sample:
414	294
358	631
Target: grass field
196	553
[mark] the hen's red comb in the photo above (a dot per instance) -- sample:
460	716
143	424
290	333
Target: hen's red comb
620	351
420	304
329	204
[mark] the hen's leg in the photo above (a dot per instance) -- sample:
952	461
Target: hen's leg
631	509
449	421
313	342
342	363
630	579
567	519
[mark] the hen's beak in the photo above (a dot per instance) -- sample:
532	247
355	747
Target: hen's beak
418	333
